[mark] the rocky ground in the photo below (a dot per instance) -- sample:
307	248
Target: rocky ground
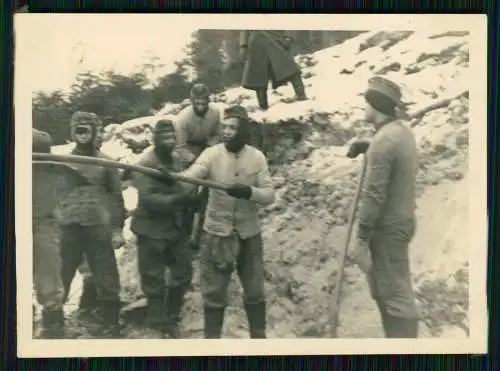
304	229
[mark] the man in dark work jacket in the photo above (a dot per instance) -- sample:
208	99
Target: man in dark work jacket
387	221
160	224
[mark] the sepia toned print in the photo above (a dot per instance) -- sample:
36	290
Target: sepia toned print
294	185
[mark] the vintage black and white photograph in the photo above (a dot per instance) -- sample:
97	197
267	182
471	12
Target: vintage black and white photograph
308	180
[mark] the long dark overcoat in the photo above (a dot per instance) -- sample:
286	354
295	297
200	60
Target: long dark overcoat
268	59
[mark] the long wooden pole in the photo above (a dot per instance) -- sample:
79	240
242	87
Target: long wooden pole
158	174
337	290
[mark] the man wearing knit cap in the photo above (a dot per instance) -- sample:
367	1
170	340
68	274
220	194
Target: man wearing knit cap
232	236
198	127
92	222
387	221
160	224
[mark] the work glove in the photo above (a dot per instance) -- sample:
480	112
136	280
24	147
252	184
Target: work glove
240	191
165	178
358	147
117	239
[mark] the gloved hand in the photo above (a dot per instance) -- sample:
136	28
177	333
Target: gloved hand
117	239
357	148
240	191
361	255
165	178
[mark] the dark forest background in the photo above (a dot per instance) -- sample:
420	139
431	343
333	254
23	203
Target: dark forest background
212	55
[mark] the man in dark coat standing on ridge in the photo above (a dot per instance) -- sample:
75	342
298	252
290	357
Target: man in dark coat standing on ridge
387	221
267	57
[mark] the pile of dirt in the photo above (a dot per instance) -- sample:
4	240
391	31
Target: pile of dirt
304	229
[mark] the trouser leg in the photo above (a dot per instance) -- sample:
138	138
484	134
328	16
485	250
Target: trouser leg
298	87
151	264
251	273
47	276
214	284
262	98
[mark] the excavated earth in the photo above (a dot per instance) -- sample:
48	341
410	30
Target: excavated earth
304	230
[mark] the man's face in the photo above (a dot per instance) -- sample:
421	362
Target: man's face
370	112
229	128
165	138
83	133
200	105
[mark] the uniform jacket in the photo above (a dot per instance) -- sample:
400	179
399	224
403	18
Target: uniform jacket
225	214
100	203
388	195
195	133
268	59
161	209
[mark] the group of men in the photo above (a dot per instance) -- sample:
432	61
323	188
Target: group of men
204	143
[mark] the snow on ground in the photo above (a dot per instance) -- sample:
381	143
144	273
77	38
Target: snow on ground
305	228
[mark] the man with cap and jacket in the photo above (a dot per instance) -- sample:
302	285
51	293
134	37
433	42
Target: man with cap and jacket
160	224
232	236
198	127
387	221
267	57
92	221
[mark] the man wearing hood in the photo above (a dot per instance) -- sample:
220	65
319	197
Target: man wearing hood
232	238
198	127
92	222
267	57
160	224
387	221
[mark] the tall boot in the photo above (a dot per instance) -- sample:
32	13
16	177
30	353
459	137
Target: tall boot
256	314
298	87
262	99
400	328
53	324
88	300
214	319
108	314
175	300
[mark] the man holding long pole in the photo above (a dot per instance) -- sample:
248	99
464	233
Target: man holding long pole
387	221
232	239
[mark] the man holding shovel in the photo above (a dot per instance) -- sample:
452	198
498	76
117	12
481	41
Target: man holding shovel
387	220
232	236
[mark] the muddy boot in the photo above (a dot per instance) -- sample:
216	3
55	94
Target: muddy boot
256	314
108	316
214	319
88	300
262	99
175	300
53	324
400	328
298	87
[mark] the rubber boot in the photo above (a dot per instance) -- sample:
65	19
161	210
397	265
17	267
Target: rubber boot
256	314
53	324
108	315
88	300
175	300
262	99
298	87
214	319
400	328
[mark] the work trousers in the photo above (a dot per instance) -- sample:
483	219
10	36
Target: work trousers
47	264
220	256
93	242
